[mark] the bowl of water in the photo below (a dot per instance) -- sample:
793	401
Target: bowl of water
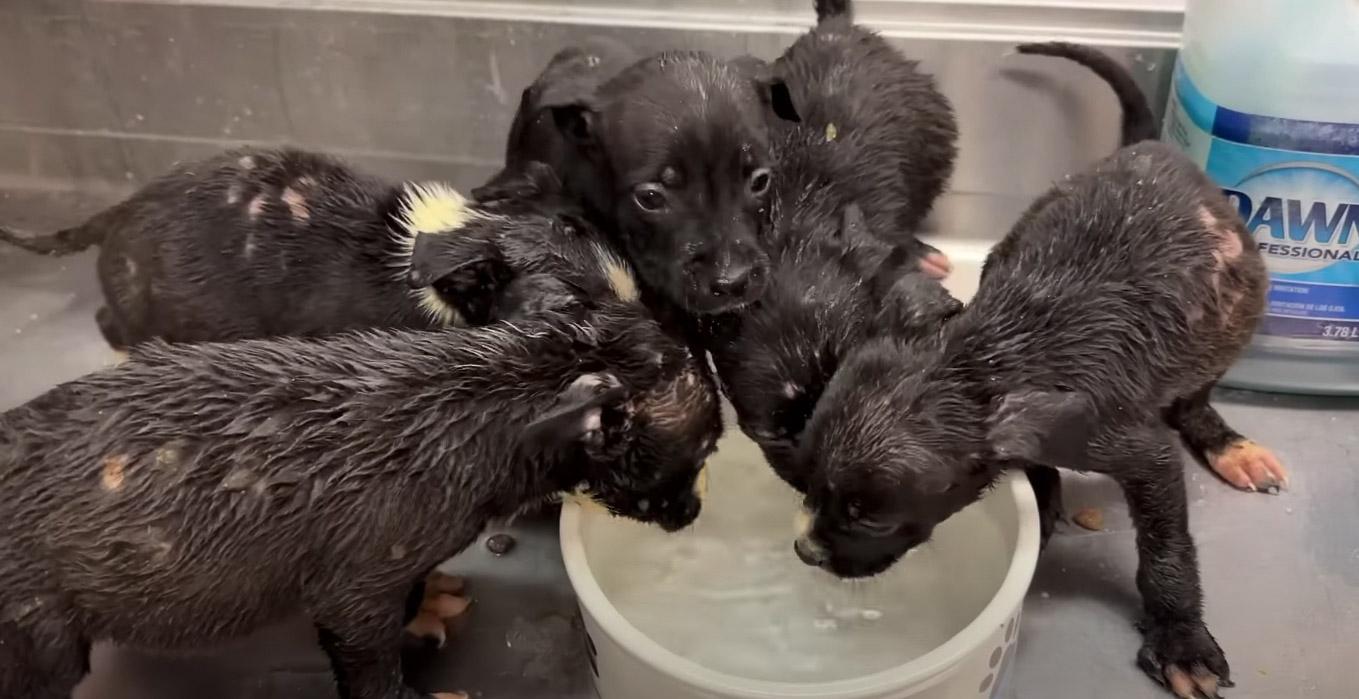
724	609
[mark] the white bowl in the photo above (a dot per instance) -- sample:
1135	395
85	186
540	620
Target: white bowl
630	665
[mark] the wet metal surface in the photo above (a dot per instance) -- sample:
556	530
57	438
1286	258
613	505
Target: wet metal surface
1281	574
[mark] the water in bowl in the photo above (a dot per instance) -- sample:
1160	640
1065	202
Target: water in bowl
730	594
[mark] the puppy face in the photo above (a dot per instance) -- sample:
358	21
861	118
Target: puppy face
634	435
891	453
680	148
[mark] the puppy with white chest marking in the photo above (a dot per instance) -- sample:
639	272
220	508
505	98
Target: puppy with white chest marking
672	156
1111	308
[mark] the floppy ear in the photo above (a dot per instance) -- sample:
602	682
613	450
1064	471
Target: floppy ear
578	122
1051	428
773	91
467	273
578	417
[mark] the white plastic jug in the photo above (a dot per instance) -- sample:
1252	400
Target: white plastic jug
1266	98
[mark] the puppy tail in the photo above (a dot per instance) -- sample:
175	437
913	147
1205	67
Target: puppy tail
65	242
1139	124
831	9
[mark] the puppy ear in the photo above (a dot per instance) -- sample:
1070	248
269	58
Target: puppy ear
578	122
578	417
1051	428
466	272
772	89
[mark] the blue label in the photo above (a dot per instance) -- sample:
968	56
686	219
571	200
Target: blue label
1296	185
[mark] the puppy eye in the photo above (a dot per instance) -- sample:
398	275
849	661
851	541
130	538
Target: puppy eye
649	198
759	181
855	510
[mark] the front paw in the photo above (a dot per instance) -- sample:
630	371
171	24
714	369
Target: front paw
1184	658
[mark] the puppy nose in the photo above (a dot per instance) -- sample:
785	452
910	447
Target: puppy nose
734	282
810	553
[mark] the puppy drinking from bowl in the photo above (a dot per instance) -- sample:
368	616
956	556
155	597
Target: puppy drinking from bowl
246	481
1115	303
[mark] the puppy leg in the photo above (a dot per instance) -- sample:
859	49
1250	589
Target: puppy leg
1177	650
41	657
361	636
1238	460
1047	489
432	602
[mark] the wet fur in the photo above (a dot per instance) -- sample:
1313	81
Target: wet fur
832	288
872	128
243	482
573	75
1118	299
693	128
260	243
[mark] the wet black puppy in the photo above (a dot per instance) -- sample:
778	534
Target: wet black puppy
674	160
572	76
870	122
244	482
833	285
1119	298
258	243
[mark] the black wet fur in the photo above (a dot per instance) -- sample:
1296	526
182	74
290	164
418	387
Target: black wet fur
671	156
571	76
244	482
1121	291
185	259
868	121
832	287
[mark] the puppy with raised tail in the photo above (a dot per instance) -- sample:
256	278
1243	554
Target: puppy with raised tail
1103	318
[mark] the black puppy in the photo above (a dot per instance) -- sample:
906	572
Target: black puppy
572	76
258	243
245	481
832	286
672	154
1118	299
872	129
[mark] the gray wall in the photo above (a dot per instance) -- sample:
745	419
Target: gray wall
102	95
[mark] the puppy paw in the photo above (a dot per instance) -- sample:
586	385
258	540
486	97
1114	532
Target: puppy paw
1184	658
1249	466
443	601
936	265
449	695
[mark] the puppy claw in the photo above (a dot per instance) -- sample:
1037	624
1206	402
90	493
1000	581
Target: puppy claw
1205	681
428	627
936	265
1250	467
449	695
1180	683
444	606
445	584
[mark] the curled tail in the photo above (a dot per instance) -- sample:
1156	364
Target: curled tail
1139	124
65	242
829	9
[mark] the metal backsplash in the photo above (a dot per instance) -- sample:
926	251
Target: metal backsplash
100	94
